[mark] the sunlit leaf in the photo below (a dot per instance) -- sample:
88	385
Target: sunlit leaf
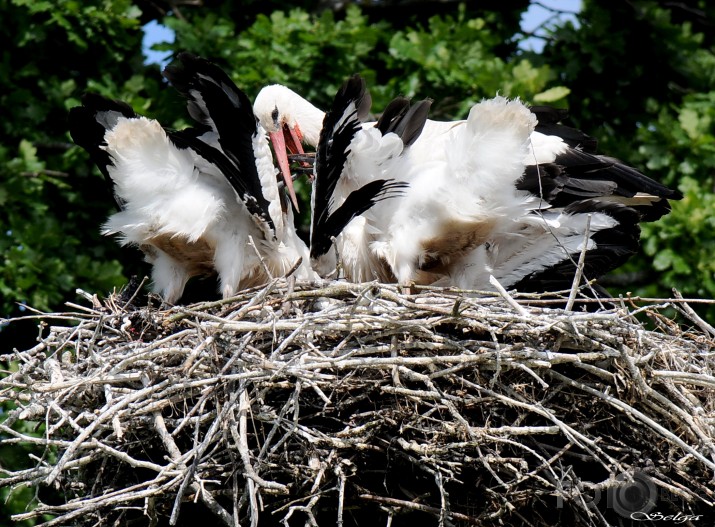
552	94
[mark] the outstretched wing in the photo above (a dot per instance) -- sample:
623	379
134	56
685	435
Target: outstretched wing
564	168
340	126
217	103
89	123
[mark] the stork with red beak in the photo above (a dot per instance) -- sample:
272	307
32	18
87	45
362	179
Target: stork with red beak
287	136
200	201
507	192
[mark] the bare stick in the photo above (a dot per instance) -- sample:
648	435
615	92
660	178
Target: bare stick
260	257
435	511
579	267
692	315
505	295
261	409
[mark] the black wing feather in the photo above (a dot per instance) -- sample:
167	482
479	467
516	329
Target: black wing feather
340	125
215	101
549	124
404	119
89	123
580	173
191	138
357	202
410	125
614	246
395	109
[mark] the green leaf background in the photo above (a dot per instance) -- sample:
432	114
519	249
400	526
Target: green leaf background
639	76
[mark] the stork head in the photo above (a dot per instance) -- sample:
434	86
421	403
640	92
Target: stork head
290	121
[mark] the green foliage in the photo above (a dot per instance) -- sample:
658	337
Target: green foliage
643	76
453	60
311	53
680	145
52	204
42	261
639	76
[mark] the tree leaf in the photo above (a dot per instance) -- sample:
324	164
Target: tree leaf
552	94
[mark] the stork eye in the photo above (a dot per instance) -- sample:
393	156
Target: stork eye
274	115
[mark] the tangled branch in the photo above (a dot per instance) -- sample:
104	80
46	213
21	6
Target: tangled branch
353	402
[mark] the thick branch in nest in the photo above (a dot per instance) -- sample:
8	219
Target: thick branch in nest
352	403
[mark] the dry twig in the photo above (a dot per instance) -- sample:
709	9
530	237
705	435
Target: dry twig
351	403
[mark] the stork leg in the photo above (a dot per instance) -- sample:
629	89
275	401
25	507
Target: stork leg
406	288
229	260
169	277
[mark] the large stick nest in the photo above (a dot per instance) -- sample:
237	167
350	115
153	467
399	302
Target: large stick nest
354	403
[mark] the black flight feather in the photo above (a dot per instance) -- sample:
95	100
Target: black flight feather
410	125
350	108
340	125
191	138
579	172
215	101
631	179
89	123
396	108
404	119
357	202
363	102
576	174
549	124
560	185
614	246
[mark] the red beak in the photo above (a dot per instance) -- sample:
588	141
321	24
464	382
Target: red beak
294	139
279	147
294	142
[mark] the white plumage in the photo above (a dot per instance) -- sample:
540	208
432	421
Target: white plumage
372	156
356	168
462	199
191	202
164	191
506	192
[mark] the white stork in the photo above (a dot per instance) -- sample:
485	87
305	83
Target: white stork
194	201
507	192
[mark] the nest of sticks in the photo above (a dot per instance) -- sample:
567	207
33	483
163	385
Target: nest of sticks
349	404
